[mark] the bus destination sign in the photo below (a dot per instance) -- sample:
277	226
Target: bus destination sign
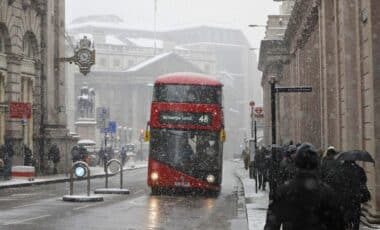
185	118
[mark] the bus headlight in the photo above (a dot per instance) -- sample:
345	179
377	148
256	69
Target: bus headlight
210	179
154	176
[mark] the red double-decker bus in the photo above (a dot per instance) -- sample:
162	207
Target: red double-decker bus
186	133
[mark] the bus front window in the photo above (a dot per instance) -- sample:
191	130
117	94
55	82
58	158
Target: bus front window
183	149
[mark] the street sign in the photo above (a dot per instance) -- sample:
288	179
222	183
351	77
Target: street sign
303	89
20	110
109	128
112	127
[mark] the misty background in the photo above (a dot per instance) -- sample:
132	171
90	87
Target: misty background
172	14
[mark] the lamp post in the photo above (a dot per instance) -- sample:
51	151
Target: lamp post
252	105
272	82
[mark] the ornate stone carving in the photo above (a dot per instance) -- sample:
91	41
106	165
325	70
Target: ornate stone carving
14	58
302	22
26	4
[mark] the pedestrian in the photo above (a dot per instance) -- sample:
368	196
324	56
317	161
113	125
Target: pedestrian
83	154
75	154
123	155
287	165
246	159
55	157
259	165
28	156
329	164
349	183
305	202
7	154
100	156
274	176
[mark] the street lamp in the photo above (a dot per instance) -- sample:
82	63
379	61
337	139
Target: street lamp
252	105
272	82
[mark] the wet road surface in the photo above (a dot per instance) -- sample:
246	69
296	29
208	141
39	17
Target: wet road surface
41	207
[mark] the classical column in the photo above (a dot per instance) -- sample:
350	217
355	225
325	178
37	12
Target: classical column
352	119
374	41
12	90
329	87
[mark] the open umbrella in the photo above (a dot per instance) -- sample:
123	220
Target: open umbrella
355	155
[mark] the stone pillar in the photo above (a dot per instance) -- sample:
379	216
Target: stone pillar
329	89
267	112
12	90
352	118
2	107
374	39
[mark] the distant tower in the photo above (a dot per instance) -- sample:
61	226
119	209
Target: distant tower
286	7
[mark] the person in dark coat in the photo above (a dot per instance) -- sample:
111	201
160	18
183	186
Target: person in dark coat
28	156
287	165
7	154
329	164
348	181
259	164
75	154
305	202
101	153
55	157
274	174
123	155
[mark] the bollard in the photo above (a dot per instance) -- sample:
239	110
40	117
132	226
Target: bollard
78	167
106	190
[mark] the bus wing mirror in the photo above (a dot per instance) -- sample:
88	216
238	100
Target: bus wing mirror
146	135
222	135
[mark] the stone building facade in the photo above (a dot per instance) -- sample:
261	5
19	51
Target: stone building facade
331	45
31	43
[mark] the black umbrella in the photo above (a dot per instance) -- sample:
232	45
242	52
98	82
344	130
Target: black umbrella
355	155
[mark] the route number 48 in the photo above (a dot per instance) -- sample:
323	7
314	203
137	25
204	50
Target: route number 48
204	119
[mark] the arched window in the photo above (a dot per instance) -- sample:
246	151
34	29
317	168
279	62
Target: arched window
29	46
2	42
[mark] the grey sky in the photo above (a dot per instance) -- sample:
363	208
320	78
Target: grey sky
179	13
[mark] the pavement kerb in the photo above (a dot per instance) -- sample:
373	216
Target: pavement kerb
245	201
61	180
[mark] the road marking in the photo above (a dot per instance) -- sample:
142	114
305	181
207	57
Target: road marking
22	206
26	220
82	207
139	191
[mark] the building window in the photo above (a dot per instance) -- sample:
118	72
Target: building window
102	62
29	47
116	63
2	41
130	63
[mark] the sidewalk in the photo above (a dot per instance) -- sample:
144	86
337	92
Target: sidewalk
96	172
256	204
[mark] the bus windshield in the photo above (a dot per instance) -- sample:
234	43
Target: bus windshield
188	94
182	149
